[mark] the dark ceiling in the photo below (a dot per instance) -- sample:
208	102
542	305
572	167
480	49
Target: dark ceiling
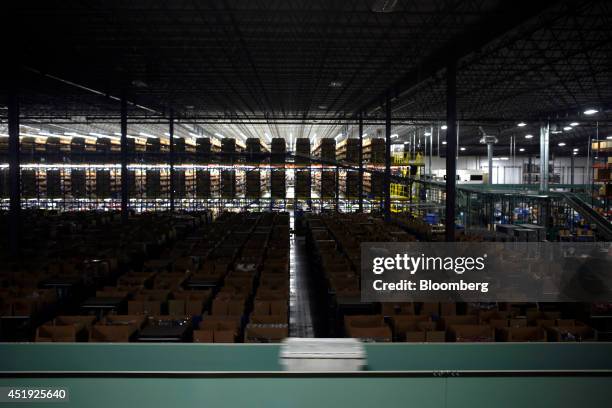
317	59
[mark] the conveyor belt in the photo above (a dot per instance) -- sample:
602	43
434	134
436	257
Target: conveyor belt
604	227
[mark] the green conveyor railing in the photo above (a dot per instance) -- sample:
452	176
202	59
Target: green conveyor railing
458	375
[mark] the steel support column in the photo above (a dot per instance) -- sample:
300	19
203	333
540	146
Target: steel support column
544	155
490	161
14	172
360	161
337	185
451	149
529	170
387	181
171	141
124	160
572	169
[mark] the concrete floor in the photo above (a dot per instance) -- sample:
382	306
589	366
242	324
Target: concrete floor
300	313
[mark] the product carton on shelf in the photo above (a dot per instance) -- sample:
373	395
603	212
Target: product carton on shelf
471	333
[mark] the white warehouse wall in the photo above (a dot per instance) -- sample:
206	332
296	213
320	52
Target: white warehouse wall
507	172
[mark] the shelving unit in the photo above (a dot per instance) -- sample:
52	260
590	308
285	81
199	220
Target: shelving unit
602	176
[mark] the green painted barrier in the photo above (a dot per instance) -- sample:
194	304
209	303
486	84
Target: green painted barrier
555	375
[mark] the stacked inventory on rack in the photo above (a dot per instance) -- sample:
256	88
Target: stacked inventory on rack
278	173
253	184
228	150
602	175
325	177
348	151
278	150
325	149
303	174
302	150
374	151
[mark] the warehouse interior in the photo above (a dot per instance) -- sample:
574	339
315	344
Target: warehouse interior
206	172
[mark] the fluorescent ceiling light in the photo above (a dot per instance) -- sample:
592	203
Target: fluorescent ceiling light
609	138
590	111
444	142
575	149
522	149
193	134
443	127
145	134
394	136
167	134
427	133
503	158
574	124
528	136
575	153
462	149
567	128
521	124
219	135
364	135
561	144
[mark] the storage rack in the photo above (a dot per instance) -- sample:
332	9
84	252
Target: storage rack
602	176
89	172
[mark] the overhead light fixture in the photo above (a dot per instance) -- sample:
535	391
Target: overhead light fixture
444	142
219	135
462	149
522	149
45	133
574	124
528	136
394	136
567	128
427	133
575	149
609	138
503	158
443	127
364	135
193	134
143	134
73	134
575	153
590	111
561	144
521	124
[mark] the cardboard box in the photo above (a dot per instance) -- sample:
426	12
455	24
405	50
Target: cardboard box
571	333
65	329
446	321
144	307
112	334
471	333
367	328
521	334
402	308
404	323
223	306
